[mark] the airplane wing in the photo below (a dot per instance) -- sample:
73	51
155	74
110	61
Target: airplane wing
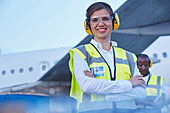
142	22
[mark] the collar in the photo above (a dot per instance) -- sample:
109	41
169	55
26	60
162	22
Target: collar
98	45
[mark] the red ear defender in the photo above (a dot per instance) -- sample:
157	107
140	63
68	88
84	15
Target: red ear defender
115	22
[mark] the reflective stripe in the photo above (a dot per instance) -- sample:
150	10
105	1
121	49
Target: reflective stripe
154	86
86	54
82	49
158	85
96	105
91	60
100	60
157	81
131	62
121	61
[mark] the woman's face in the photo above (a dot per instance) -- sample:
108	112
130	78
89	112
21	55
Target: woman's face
101	24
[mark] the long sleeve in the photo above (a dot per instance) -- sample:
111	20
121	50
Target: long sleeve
97	86
134	93
111	89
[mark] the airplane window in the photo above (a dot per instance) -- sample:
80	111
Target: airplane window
44	67
155	55
30	69
3	72
12	71
21	70
164	54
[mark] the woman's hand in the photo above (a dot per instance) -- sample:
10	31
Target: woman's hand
89	73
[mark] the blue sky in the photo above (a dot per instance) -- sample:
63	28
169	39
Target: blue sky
27	25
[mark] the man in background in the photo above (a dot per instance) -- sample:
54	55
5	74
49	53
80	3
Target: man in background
155	98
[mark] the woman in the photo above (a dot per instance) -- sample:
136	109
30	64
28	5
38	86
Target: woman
99	73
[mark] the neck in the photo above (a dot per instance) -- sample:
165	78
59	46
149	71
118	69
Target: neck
146	74
106	44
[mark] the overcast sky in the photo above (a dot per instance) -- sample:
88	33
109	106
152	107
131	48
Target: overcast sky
27	25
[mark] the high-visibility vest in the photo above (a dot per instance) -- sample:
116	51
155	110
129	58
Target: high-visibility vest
154	86
153	89
101	70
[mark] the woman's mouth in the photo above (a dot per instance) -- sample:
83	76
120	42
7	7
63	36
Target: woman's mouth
101	30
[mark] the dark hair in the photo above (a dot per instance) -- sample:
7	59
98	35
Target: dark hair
143	56
97	6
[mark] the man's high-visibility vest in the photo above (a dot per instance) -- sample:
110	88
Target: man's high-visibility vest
154	87
153	90
101	70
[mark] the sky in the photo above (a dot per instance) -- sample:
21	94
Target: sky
27	25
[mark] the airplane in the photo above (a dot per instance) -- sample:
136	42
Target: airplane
27	67
19	90
142	24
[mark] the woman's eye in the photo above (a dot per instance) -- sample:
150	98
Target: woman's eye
105	18
94	20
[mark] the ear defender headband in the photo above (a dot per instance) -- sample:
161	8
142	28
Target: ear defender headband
150	63
115	22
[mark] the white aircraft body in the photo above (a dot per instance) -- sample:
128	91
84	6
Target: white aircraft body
27	67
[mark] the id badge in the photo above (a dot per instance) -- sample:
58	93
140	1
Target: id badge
97	71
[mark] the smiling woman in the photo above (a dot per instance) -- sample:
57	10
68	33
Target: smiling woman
99	68
102	28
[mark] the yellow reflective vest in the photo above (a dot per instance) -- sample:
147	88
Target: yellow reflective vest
154	87
153	90
101	70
